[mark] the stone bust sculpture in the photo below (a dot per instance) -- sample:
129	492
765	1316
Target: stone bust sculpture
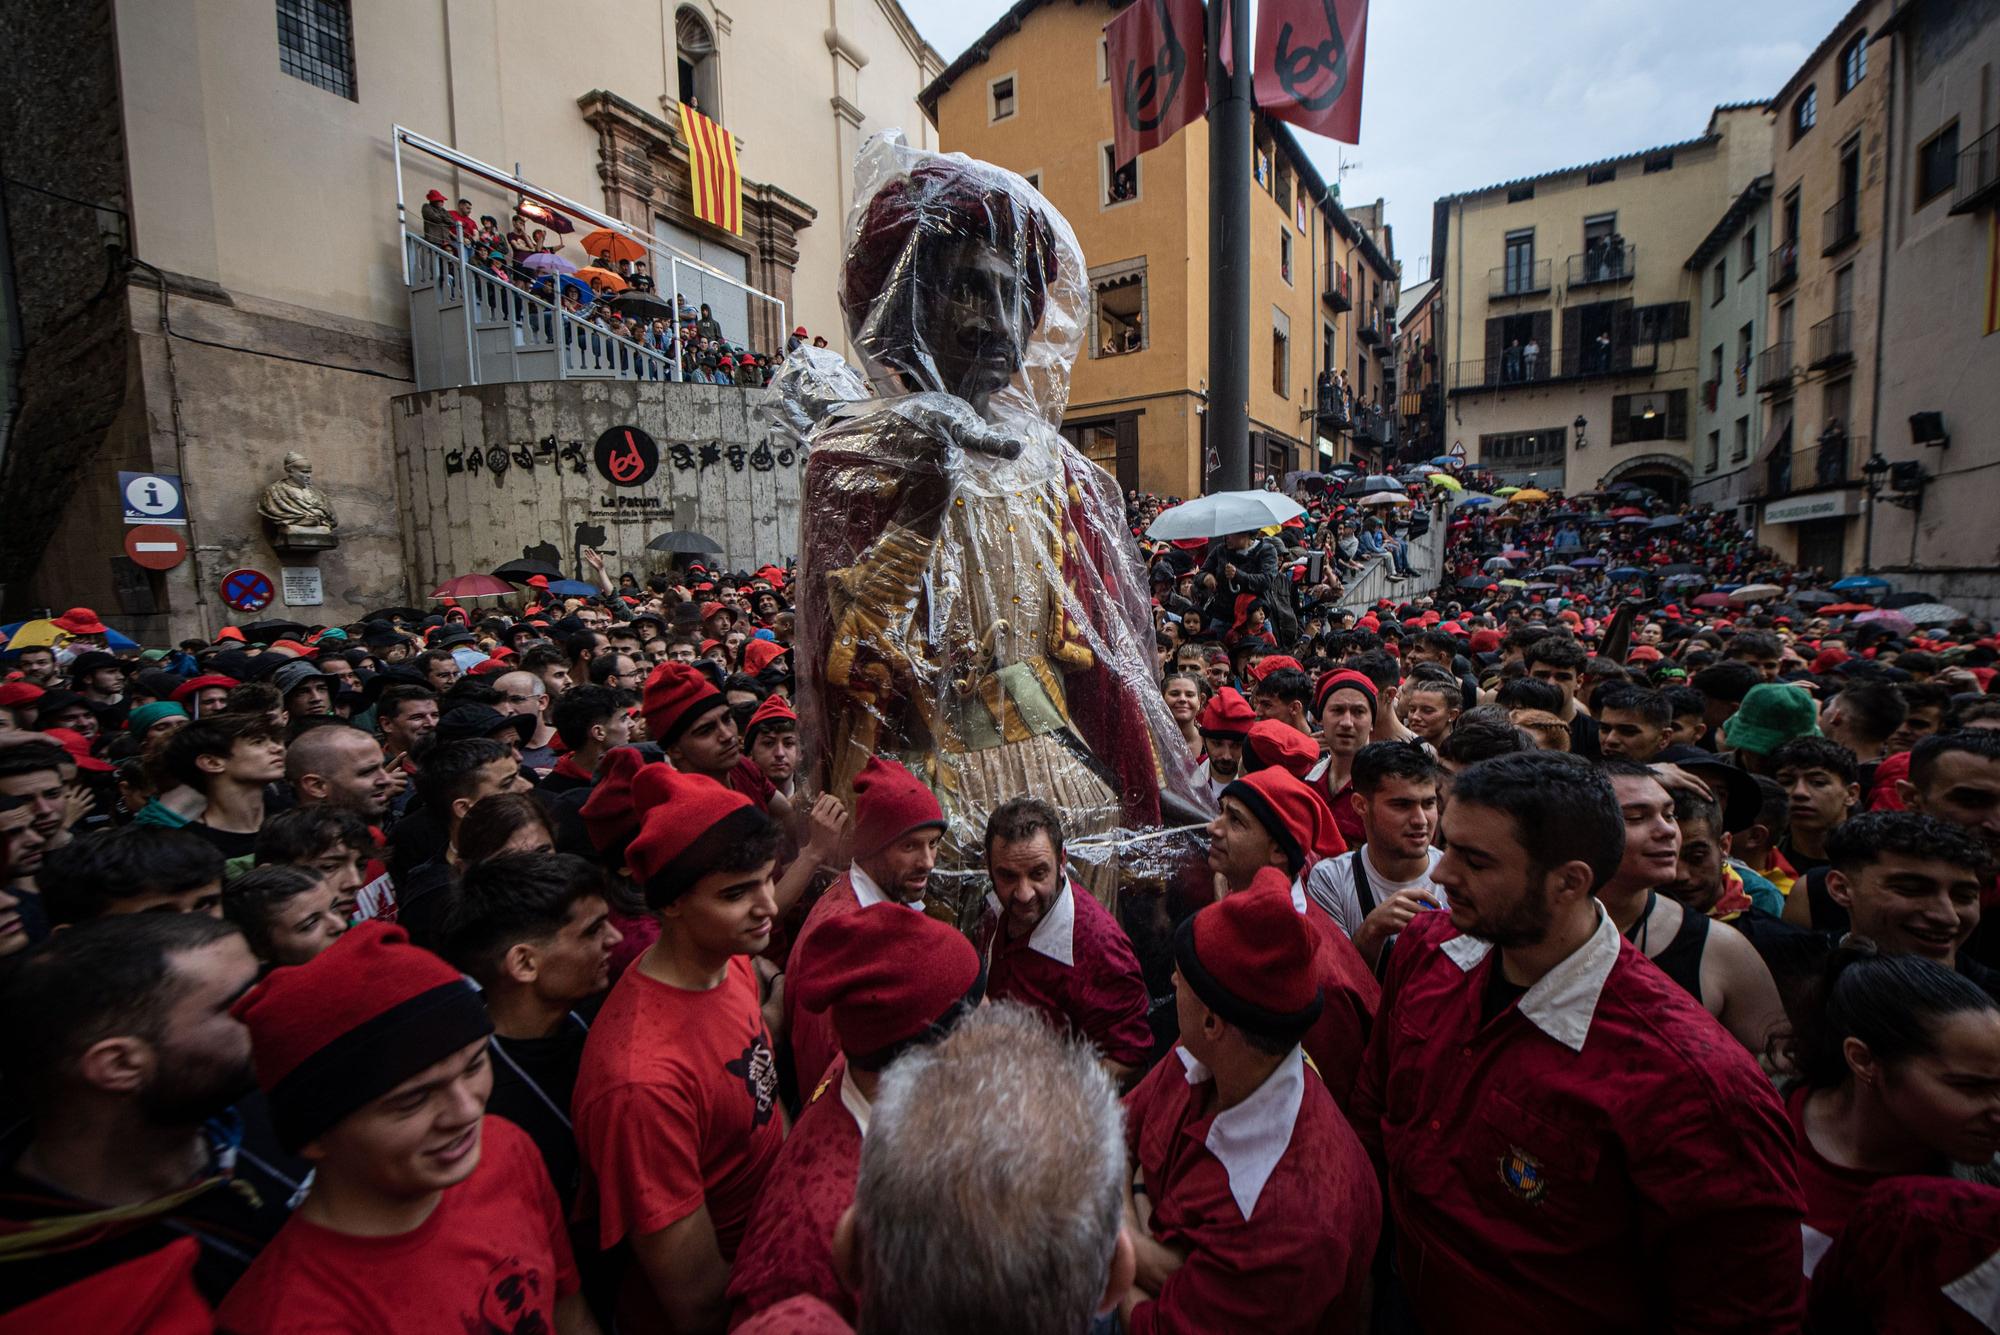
297	515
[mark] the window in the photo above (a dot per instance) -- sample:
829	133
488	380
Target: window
1805	112
1843	289
1524	449
1715	366
1000	99
1260	166
1327	352
1746	346
1748	260
1660	324
1659	415
1103	61
1740	449
1281	354
1520	194
1853	63
1602	176
1718	286
1659	162
1283	192
1118	292
316	43
1285	252
1937	164
695	61
1520	261
1033	178
1120	185
1713	459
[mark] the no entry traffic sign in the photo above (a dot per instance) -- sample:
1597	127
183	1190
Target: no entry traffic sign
155	546
247	590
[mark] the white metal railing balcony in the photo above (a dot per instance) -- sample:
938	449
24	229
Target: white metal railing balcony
469	326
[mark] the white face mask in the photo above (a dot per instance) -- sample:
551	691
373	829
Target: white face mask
66	654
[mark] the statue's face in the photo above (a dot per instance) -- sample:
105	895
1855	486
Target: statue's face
300	472
973	318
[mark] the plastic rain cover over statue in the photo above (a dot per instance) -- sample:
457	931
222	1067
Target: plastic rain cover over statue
972	603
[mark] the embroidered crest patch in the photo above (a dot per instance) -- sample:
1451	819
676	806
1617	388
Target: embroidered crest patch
1522	1172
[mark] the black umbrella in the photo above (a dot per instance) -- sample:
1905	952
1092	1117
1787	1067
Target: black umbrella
685	543
643	305
393	614
1667	521
1681	568
522	569
275	629
1475	581
1815	598
1906	598
1375	484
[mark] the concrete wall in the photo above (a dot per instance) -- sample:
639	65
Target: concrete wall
463	522
1935	355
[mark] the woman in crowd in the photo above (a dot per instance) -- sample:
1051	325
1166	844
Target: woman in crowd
1185	694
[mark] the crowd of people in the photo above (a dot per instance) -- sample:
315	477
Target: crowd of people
1590	938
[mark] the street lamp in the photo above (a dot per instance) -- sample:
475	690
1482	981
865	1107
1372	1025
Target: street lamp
1872	473
1580	424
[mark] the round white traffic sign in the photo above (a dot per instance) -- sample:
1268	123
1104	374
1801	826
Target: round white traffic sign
151	495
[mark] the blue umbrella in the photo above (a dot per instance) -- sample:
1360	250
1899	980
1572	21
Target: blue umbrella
1666	521
1481	500
1628	572
585	293
573	588
1444	460
1588	562
1862	582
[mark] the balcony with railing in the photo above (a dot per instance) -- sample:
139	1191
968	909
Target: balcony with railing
1369	328
1826	464
1339	293
1522	278
1840	224
1784	270
1608	358
1774	367
1603	264
1831	341
1978	173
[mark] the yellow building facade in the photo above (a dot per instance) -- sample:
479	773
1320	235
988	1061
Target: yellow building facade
1033	95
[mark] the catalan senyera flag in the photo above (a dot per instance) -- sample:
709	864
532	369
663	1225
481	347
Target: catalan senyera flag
713	179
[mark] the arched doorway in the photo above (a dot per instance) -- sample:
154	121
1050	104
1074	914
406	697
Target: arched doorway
1665	475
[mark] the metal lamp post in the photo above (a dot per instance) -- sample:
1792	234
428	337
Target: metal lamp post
1872	474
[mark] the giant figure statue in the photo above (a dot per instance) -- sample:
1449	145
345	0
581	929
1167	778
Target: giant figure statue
971	600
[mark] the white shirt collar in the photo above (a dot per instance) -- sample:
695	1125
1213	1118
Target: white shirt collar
1054	936
1299	895
1563	1000
851	1098
1978	1292
868	894
1317	772
1250	1138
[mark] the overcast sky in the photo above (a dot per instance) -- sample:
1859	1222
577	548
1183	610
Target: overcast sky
1465	93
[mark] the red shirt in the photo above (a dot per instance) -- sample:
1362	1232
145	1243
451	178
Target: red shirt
676	1106
1919	1256
1298	1259
494	1255
1077	968
1338	1040
803	1315
1345	818
789	1247
1599	1156
1832	1192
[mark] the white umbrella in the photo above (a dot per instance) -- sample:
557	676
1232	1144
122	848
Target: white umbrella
1223	513
1755	593
1931	614
1384	498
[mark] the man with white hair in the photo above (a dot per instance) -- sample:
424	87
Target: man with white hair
1005	1134
523	692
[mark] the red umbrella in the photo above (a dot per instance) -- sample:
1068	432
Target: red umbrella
472	586
1628	512
1712	600
1845	609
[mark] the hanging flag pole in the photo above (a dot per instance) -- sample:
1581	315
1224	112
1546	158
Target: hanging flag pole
1229	245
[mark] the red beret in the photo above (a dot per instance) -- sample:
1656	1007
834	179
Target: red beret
759	653
774	710
1643	653
320	1031
1228	714
187	690
1295	814
710	609
78	747
676	811
1250	958
887	974
229	633
1485	641
1343	679
1280	744
1266	666
17	693
889	802
677	695
608	815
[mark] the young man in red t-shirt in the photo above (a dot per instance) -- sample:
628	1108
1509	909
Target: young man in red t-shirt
424	1214
676	1104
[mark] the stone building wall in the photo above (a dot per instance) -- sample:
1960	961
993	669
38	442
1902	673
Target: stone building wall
553	496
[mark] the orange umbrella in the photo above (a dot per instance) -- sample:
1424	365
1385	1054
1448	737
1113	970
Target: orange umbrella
601	278
620	246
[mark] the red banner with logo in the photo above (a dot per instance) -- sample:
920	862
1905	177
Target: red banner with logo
1157	56
1309	57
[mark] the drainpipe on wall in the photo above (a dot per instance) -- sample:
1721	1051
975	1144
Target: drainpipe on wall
1882	264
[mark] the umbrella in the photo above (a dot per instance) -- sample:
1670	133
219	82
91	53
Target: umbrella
603	278
521	570
1374	485
1558	570
1498	563
643	306
1628	512
1528	496
1814	598
688	544
1895	622
547	261
1225	512
1844	609
1513	583
1541	585
1680	568
1446	460
1506	519
33	634
570	283
1628	572
1667	521
1476	498
620	246
1447	481
1598	521
1929	614
1505	491
1475	582
1755	593
277	628
393	614
1588	562
472	586
1639	521
1684	581
1712	600
1515	554
1905	598
573	588
1861	582
1383	498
